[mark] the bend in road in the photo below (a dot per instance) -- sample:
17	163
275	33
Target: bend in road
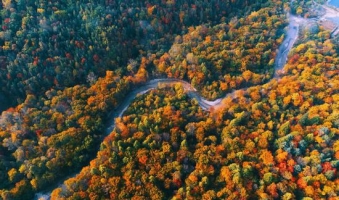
291	36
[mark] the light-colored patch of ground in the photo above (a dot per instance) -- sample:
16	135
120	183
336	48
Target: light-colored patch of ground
304	23
328	24
328	17
330	11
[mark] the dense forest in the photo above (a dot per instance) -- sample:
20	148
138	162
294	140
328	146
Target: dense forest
65	67
59	44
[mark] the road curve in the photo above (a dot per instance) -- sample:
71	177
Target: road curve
191	91
291	36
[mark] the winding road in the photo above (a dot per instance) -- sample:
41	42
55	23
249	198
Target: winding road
284	49
191	91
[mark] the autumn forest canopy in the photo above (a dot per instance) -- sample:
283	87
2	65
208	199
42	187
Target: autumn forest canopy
67	67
